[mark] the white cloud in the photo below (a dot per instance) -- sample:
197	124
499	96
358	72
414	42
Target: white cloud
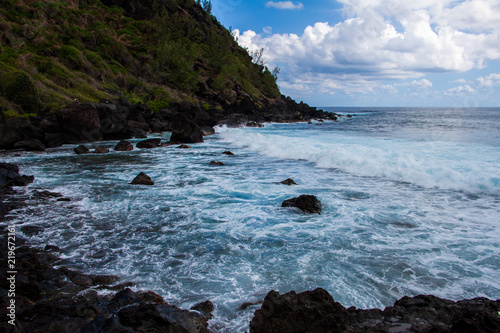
460	90
386	40
489	80
284	5
267	30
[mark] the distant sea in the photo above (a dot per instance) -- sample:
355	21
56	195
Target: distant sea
411	205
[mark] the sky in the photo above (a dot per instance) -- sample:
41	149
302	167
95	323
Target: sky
421	53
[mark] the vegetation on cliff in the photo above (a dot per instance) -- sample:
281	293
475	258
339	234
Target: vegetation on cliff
154	51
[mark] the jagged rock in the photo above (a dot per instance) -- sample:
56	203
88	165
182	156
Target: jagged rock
149	143
30	145
227	152
80	123
288	181
206	307
101	150
217	163
207	130
316	311
254	124
142	179
124	146
113	119
9	176
185	131
81	149
307	203
16	130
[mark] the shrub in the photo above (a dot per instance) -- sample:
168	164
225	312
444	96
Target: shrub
19	89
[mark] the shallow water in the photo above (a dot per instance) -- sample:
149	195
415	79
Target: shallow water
411	205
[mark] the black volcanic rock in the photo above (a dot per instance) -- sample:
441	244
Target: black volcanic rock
288	181
9	176
316	311
30	145
216	163
149	143
307	203
81	149
185	131
142	179
124	146
80	123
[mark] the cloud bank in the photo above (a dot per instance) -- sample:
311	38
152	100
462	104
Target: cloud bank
384	40
284	5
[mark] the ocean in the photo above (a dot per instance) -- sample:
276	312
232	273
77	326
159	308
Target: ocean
411	205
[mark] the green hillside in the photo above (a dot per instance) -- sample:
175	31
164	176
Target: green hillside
155	51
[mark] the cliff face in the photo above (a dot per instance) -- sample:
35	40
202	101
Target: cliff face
155	51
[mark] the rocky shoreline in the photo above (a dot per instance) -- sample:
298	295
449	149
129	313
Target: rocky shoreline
120	120
64	300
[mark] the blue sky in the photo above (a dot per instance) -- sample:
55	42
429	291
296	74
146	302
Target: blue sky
375	52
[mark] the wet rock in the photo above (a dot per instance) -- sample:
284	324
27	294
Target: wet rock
101	150
124	146
149	143
307	203
316	311
142	179
64	199
47	194
216	163
206	307
9	176
228	153
81	149
30	145
254	124
184	146
207	130
288	181
310	311
185	130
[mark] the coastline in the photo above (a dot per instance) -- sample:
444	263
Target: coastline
67	297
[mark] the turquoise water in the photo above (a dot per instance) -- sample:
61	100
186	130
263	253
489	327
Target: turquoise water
411	205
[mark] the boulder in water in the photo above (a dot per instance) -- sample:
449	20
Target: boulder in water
81	149
149	143
307	203
101	150
124	145
217	163
288	181
142	179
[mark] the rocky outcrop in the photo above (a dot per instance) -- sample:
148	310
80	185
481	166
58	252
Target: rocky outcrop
16	130
80	123
185	131
316	311
63	300
124	145
30	145
142	179
307	203
9	176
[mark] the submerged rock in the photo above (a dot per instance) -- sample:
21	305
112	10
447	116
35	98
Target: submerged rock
217	163
307	203
184	146
288	181
142	179
228	153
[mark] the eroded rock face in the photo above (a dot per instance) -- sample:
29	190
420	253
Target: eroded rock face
80	123
185	131
307	203
316	311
